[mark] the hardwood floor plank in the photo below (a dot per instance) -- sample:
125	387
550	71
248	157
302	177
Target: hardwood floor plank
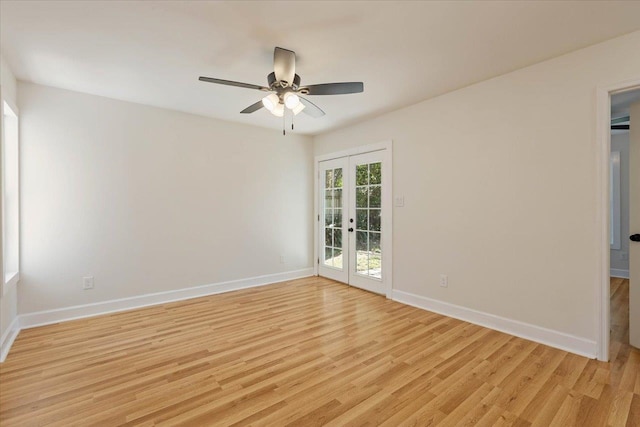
619	309
620	409
633	419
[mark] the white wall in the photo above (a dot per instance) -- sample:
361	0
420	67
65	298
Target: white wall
149	200
620	257
8	297
8	81
499	181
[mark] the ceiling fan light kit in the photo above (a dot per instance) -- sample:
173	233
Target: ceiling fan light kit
291	100
270	101
275	105
278	110
298	109
285	86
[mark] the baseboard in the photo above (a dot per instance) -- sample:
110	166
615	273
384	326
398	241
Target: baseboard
617	272
560	340
8	337
41	318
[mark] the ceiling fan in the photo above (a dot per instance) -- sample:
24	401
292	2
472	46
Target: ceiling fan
285	88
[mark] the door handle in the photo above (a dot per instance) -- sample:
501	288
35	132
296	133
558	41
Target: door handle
350	229
635	237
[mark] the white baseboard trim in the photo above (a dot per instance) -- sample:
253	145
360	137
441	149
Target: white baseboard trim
47	317
561	340
8	337
617	272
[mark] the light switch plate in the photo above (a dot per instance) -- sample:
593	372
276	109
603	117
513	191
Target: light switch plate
87	282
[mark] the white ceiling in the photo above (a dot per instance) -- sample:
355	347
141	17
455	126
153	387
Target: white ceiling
152	52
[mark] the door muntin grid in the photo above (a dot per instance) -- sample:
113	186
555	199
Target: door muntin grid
333	253
368	229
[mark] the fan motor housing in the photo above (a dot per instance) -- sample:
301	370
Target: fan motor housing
274	85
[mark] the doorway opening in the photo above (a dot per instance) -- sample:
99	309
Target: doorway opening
619	220
619	278
353	239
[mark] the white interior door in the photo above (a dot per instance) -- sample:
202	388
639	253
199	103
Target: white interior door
354	219
634	225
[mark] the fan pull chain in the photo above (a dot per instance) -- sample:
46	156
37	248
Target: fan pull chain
284	114
292	116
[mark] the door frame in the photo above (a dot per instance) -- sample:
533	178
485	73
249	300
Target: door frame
387	200
603	153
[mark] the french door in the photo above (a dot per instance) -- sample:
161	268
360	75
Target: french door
352	209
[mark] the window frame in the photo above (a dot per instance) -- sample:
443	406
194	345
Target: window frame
10	211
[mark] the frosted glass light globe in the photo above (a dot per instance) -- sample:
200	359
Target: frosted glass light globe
291	100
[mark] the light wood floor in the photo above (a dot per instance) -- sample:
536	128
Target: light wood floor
619	310
305	353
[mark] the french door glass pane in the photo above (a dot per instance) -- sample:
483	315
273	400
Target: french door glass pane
328	198
375	255
361	241
328	217
375	196
374	219
374	242
328	181
362	174
337	198
375	173
333	218
361	219
337	238
337	218
337	176
361	197
328	256
375	265
362	254
337	258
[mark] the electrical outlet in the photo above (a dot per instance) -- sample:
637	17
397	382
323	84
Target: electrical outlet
281	259
444	281
87	282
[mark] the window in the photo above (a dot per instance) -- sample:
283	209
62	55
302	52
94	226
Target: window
10	195
614	200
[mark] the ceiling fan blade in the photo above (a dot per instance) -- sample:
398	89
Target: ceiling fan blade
253	107
333	88
284	65
311	109
232	83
